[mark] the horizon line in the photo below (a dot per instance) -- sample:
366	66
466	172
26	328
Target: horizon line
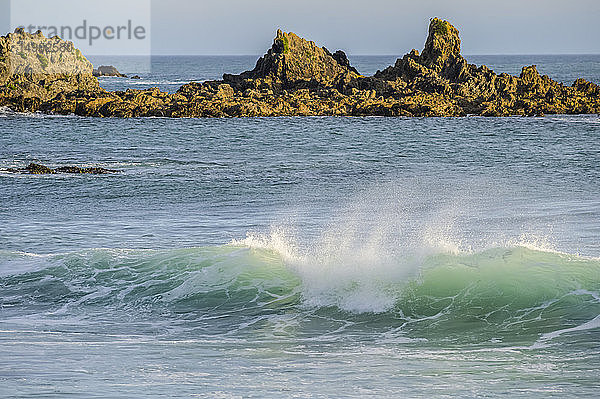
349	55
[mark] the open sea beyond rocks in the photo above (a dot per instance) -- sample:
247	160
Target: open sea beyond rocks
302	256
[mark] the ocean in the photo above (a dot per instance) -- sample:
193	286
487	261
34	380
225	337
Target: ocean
302	257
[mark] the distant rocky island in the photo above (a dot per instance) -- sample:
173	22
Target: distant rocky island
294	78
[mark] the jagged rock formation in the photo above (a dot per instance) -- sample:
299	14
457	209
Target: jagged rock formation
37	169
34	69
297	77
442	69
442	48
295	63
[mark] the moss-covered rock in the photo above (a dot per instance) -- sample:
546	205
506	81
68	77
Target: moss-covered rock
442	46
35	66
293	62
297	77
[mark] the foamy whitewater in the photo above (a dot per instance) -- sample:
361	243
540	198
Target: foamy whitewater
302	257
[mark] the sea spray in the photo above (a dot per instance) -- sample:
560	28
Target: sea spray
377	241
395	260
511	294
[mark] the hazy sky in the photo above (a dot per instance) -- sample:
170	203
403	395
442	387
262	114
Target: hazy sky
377	26
374	26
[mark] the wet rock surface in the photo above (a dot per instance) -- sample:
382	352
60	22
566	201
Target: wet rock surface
298	78
37	169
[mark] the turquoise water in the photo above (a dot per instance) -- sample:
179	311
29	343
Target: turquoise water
302	257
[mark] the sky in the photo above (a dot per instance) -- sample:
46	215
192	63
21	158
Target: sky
391	27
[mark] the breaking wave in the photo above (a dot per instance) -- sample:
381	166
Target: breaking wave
262	283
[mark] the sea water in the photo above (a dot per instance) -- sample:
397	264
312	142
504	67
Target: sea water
302	257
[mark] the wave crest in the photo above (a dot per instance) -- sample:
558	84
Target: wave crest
513	290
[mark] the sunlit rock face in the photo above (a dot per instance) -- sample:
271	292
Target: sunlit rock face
294	78
293	61
32	65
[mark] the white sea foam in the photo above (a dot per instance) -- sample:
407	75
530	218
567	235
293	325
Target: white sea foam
384	238
592	324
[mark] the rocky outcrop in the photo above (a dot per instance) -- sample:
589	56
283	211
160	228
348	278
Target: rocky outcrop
35	69
441	57
107	70
297	77
37	169
442	70
294	63
442	49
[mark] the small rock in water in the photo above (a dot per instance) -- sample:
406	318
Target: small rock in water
108	70
90	171
37	169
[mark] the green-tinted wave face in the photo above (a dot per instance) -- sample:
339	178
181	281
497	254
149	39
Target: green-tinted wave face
212	281
499	293
506	294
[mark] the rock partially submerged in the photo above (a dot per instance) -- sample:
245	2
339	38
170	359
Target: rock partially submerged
107	70
37	169
297	77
